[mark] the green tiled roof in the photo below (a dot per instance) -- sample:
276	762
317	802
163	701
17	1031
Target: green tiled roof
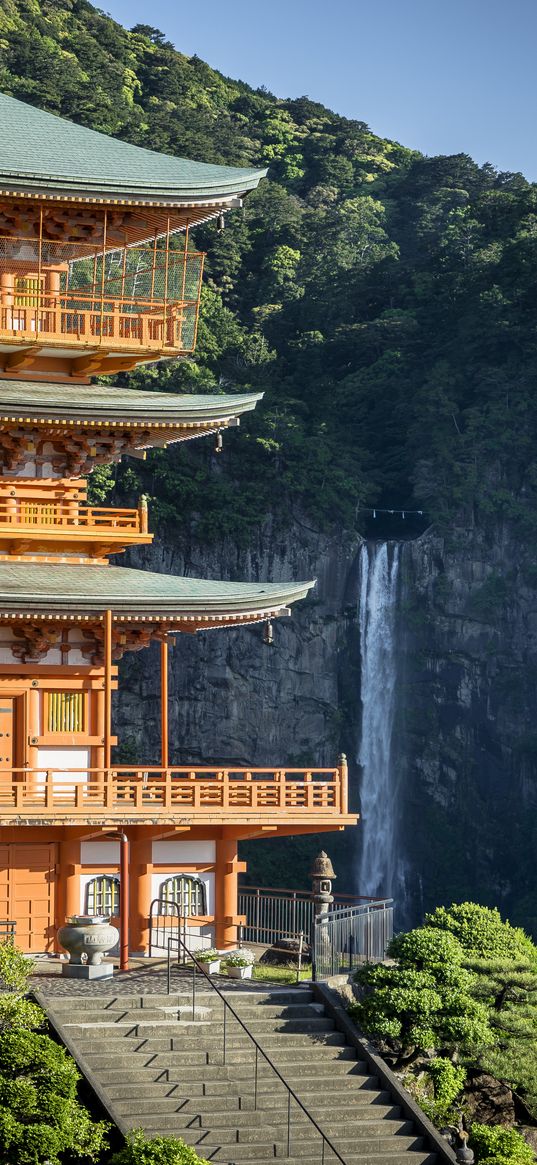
94	589
108	403
45	153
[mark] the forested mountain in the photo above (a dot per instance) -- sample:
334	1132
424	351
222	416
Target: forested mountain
384	301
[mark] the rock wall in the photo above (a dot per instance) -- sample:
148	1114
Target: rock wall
468	718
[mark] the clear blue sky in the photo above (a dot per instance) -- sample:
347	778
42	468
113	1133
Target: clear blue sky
442	76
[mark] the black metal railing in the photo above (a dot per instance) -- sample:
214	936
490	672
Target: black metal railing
7	930
184	956
348	936
164	917
272	913
167	917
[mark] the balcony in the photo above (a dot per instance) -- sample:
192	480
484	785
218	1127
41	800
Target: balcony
185	795
29	523
57	299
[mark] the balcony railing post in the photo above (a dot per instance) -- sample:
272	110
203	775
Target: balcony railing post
343	780
49	789
143	515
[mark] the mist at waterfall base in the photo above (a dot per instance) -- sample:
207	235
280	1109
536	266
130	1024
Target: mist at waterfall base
382	870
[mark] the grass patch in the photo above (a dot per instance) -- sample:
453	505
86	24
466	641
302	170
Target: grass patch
264	973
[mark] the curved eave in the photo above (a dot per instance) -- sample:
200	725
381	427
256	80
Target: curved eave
206	200
56	403
61	591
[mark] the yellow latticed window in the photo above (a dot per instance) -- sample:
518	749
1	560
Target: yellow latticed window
102	896
185	892
27	289
66	711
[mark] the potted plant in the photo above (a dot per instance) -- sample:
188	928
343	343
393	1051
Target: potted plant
210	959
239	965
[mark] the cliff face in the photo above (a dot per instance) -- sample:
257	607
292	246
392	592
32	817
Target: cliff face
468	713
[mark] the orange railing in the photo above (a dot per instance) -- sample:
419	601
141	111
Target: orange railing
202	793
29	514
136	297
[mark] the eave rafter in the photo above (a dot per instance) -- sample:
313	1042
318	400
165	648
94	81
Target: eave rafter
36	634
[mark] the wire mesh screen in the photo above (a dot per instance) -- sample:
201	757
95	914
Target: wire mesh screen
146	295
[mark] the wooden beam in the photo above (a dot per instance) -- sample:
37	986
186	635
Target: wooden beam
86	365
23	359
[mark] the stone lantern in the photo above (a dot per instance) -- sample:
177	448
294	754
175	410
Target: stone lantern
322	875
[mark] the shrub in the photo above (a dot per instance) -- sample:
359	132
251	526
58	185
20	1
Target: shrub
143	1150
17	1014
494	1145
40	1117
447	1082
421	1010
15	1011
481	932
15	968
437	1089
425	948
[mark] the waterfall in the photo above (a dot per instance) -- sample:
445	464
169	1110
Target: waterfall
380	868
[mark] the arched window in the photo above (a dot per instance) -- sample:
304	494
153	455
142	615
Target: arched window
102	896
186	892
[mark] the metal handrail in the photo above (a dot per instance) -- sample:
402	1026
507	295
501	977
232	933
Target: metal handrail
291	1094
339	896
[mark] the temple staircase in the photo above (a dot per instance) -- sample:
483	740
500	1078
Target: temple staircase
156	1067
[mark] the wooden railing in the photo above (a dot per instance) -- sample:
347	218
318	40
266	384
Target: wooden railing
117	324
29	514
202	793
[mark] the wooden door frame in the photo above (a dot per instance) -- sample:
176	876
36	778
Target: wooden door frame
20	717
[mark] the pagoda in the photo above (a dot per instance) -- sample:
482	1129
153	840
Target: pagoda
97	275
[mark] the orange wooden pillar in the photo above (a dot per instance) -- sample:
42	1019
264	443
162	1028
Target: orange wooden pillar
228	868
141	869
107	688
164	747
68	883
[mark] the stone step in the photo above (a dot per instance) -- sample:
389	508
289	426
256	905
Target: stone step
332	1096
248	1125
300	1030
347	1076
173	1039
336	1057
417	1157
362	1098
238	998
301	1146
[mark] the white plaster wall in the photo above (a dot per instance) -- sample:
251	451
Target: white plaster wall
188	852
66	759
99	853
